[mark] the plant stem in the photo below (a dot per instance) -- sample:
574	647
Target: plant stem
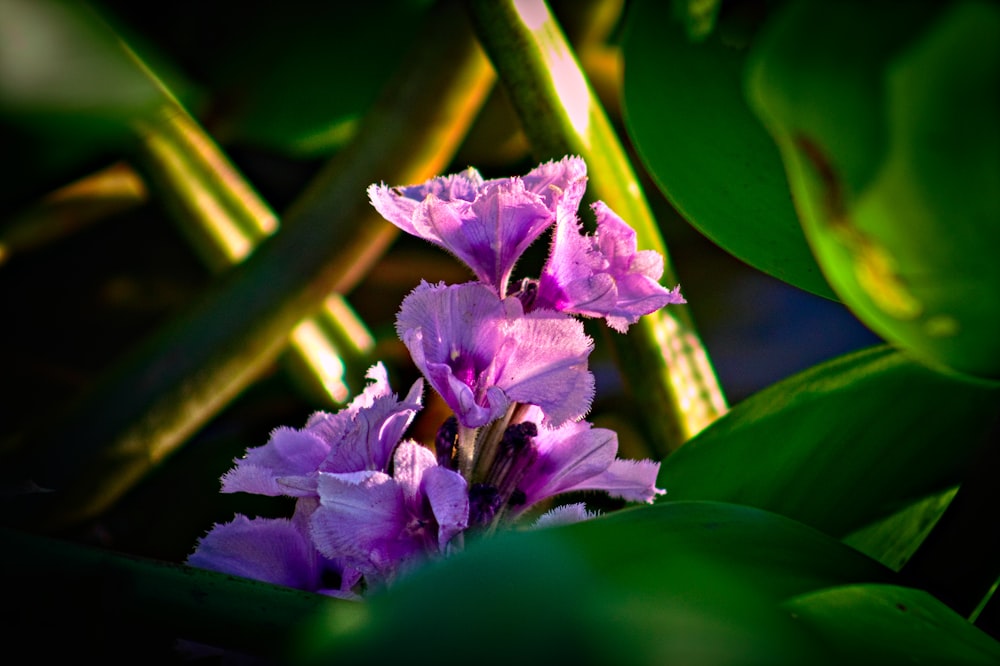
178	379
662	358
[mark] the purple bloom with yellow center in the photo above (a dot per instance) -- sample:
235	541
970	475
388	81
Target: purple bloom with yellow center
482	353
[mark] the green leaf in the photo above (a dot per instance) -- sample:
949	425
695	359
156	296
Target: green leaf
685	582
893	539
839	445
70	87
889	624
686	113
299	86
886	122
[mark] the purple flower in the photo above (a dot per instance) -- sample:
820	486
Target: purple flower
361	436
378	523
482	353
487	224
603	275
274	550
576	456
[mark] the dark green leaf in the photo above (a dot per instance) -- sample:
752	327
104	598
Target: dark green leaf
894	538
686	582
888	624
685	112
299	81
839	445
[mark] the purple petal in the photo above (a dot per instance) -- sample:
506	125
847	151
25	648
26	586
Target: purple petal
560	184
567	457
544	363
360	520
564	515
486	224
604	275
453	334
408	467
448	495
377	421
631	480
480	353
273	550
288	453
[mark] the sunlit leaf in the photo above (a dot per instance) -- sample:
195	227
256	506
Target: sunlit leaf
685	112
839	445
886	121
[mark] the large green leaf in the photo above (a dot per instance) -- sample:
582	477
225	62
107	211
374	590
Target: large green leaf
686	582
889	624
839	445
887	122
686	113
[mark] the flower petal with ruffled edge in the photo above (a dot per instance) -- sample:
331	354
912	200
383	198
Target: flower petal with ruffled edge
379	523
480	353
577	456
274	550
564	515
603	275
361	436
486	224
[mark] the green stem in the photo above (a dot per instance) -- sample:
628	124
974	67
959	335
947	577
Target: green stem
662	358
178	379
225	219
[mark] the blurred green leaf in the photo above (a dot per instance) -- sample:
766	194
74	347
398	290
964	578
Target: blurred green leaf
887	123
297	80
171	383
685	112
686	582
839	445
70	87
889	624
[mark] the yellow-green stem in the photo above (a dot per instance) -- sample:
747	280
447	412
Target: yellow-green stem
662	359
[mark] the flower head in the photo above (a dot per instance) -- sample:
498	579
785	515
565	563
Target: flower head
379	523
487	224
482	353
603	275
361	436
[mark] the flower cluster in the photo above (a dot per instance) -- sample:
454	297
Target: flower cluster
510	360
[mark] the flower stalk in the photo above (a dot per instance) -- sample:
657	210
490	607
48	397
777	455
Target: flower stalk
664	363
